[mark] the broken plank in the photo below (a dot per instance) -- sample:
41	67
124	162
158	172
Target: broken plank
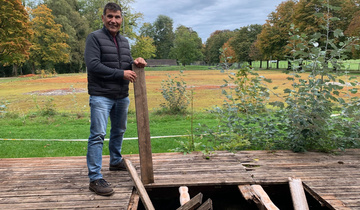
265	201
246	192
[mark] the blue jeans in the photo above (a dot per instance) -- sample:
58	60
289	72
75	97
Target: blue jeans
100	109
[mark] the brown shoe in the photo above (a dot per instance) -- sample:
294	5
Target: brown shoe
101	187
118	167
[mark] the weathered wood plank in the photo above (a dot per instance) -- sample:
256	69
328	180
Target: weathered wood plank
134	200
139	186
194	202
207	205
298	194
246	192
143	127
257	194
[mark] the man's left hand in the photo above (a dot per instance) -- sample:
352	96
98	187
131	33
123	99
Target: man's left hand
140	62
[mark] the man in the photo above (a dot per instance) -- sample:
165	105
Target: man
109	64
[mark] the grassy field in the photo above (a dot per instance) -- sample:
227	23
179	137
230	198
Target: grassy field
69	92
26	98
50	132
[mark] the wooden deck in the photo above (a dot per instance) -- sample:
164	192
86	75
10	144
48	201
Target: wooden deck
62	183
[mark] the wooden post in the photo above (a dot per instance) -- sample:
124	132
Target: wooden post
143	128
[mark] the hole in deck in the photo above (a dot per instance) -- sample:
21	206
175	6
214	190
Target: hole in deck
225	197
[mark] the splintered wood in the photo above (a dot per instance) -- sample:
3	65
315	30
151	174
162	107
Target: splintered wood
257	194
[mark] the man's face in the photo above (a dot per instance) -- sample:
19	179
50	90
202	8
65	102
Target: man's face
112	21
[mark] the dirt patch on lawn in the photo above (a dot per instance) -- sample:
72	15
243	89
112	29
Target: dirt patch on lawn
57	92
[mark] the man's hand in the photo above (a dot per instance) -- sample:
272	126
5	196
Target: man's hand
140	62
130	75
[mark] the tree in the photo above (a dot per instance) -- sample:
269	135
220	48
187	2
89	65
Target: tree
255	53
143	47
163	36
348	11
15	33
147	29
353	30
213	44
48	43
228	54
242	41
66	13
274	37
187	46
308	15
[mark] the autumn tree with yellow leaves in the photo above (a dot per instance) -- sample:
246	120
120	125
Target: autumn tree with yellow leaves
48	43
143	47
15	33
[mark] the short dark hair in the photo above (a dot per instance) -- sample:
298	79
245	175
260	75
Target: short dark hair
111	6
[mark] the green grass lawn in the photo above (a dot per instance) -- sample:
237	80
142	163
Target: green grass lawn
61	127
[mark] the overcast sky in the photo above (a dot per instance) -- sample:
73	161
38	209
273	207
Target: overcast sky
207	16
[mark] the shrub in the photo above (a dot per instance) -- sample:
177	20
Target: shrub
174	91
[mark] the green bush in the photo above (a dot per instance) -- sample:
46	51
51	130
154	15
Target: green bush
174	91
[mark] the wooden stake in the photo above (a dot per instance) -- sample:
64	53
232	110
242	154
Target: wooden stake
142	118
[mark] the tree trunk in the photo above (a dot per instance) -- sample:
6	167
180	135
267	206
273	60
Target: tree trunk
15	70
33	68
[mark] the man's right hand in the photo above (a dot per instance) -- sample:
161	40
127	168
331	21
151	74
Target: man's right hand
130	75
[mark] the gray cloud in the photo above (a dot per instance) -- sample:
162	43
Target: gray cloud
205	17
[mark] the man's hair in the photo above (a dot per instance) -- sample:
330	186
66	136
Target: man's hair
111	6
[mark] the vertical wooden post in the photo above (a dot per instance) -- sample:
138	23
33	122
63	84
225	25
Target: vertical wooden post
143	128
